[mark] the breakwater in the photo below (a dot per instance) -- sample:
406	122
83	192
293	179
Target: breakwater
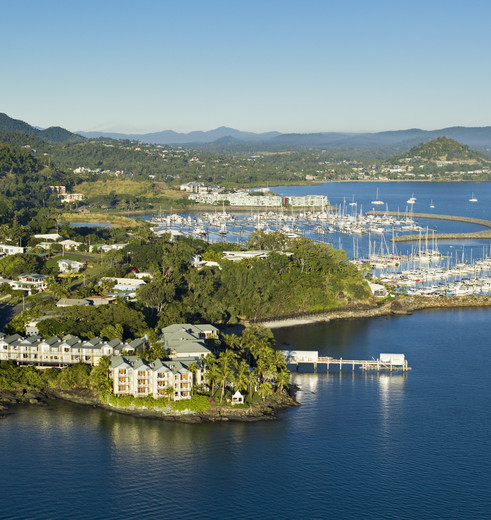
479	235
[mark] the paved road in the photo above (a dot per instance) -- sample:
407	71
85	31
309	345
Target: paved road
7	312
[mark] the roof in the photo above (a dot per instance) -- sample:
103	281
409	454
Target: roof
32	275
69	302
69	262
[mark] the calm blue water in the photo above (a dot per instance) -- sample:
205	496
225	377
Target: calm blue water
449	198
360	446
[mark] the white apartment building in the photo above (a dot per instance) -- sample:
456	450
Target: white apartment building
133	376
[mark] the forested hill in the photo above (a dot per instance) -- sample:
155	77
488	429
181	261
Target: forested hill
54	134
444	149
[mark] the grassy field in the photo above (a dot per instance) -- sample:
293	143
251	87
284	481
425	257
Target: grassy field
150	190
103	218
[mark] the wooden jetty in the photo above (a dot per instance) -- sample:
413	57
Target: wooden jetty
302	360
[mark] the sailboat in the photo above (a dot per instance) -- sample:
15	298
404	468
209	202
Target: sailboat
431	204
473	199
377	201
411	199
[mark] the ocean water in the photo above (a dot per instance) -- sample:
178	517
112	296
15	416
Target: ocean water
360	445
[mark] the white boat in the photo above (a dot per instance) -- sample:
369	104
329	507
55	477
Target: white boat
377	201
473	199
411	200
432	205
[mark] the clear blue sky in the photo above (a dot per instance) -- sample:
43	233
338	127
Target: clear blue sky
256	65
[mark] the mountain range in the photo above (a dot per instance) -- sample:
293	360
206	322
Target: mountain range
475	137
390	141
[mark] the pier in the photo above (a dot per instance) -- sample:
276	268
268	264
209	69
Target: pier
475	235
299	360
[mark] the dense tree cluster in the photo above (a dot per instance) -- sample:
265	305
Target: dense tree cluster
249	364
304	278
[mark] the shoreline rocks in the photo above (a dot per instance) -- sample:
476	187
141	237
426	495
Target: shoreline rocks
398	307
267	410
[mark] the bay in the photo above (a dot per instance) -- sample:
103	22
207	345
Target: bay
360	445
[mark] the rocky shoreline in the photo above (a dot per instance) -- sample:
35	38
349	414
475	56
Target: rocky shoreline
267	410
400	306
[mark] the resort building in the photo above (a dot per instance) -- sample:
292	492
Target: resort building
133	376
188	341
237	199
319	201
55	351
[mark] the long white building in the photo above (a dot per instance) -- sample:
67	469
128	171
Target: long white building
55	351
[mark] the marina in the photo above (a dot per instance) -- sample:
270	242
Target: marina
426	263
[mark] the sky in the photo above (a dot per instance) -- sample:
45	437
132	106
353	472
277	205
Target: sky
254	65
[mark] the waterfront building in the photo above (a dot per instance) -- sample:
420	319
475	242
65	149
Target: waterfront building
237	199
55	351
319	201
188	341
134	376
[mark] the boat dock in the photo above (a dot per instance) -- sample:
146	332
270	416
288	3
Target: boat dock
304	361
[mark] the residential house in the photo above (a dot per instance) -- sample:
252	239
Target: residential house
72	302
70	245
30	282
125	284
6	250
70	266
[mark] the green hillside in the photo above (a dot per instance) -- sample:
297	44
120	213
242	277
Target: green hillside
54	134
444	149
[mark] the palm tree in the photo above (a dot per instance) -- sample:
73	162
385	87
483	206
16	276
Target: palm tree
211	371
252	382
225	365
169	392
193	367
282	379
279	360
266	389
242	375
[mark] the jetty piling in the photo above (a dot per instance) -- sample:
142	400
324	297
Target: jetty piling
298	360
